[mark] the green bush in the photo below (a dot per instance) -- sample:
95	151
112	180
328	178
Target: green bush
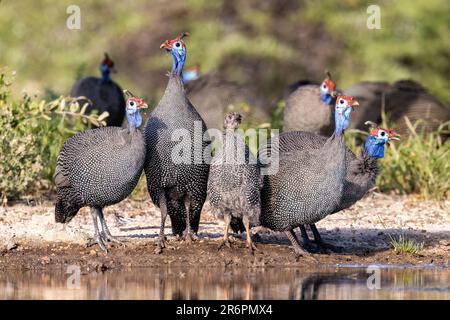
418	164
31	136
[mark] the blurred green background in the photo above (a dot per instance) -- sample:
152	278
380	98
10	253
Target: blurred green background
260	43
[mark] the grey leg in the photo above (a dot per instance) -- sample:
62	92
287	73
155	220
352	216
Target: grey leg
97	239
188	231
161	242
250	243
225	240
316	234
297	248
320	243
105	231
305	238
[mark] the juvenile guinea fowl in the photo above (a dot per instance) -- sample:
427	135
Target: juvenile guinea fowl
98	168
310	108
104	94
362	170
234	181
177	173
309	183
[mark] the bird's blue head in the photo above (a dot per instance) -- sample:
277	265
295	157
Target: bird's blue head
133	107
342	110
377	139
327	93
106	67
177	49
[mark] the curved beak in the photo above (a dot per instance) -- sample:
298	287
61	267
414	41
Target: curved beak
165	45
143	106
394	136
355	103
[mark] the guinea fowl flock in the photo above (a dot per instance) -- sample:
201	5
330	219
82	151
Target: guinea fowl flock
317	174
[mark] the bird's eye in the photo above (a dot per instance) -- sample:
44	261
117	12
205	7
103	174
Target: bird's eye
132	103
324	86
341	101
177	44
382	133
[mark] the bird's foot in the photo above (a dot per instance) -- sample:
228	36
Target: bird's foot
160	244
303	254
97	239
107	237
224	242
252	247
195	236
188	237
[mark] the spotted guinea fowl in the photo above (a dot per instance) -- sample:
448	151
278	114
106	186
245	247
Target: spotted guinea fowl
177	173
309	183
104	94
310	108
362	170
234	181
400	100
98	168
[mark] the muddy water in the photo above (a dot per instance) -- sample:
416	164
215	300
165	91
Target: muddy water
216	283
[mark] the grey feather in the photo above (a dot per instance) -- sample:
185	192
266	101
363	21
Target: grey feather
97	168
307	187
104	95
305	111
173	112
234	181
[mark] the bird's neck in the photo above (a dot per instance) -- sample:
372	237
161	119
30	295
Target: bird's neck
175	87
327	99
134	121
373	149
105	73
178	63
342	119
366	164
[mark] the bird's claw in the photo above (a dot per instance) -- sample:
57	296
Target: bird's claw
108	237
189	237
305	255
97	239
224	242
160	244
252	247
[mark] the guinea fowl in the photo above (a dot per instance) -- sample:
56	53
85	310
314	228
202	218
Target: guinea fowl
362	170
214	97
404	98
234	181
176	179
308	184
98	168
310	108
103	93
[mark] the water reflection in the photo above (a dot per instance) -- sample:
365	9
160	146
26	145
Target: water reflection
214	283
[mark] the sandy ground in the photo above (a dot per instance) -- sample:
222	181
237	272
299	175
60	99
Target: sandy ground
30	239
